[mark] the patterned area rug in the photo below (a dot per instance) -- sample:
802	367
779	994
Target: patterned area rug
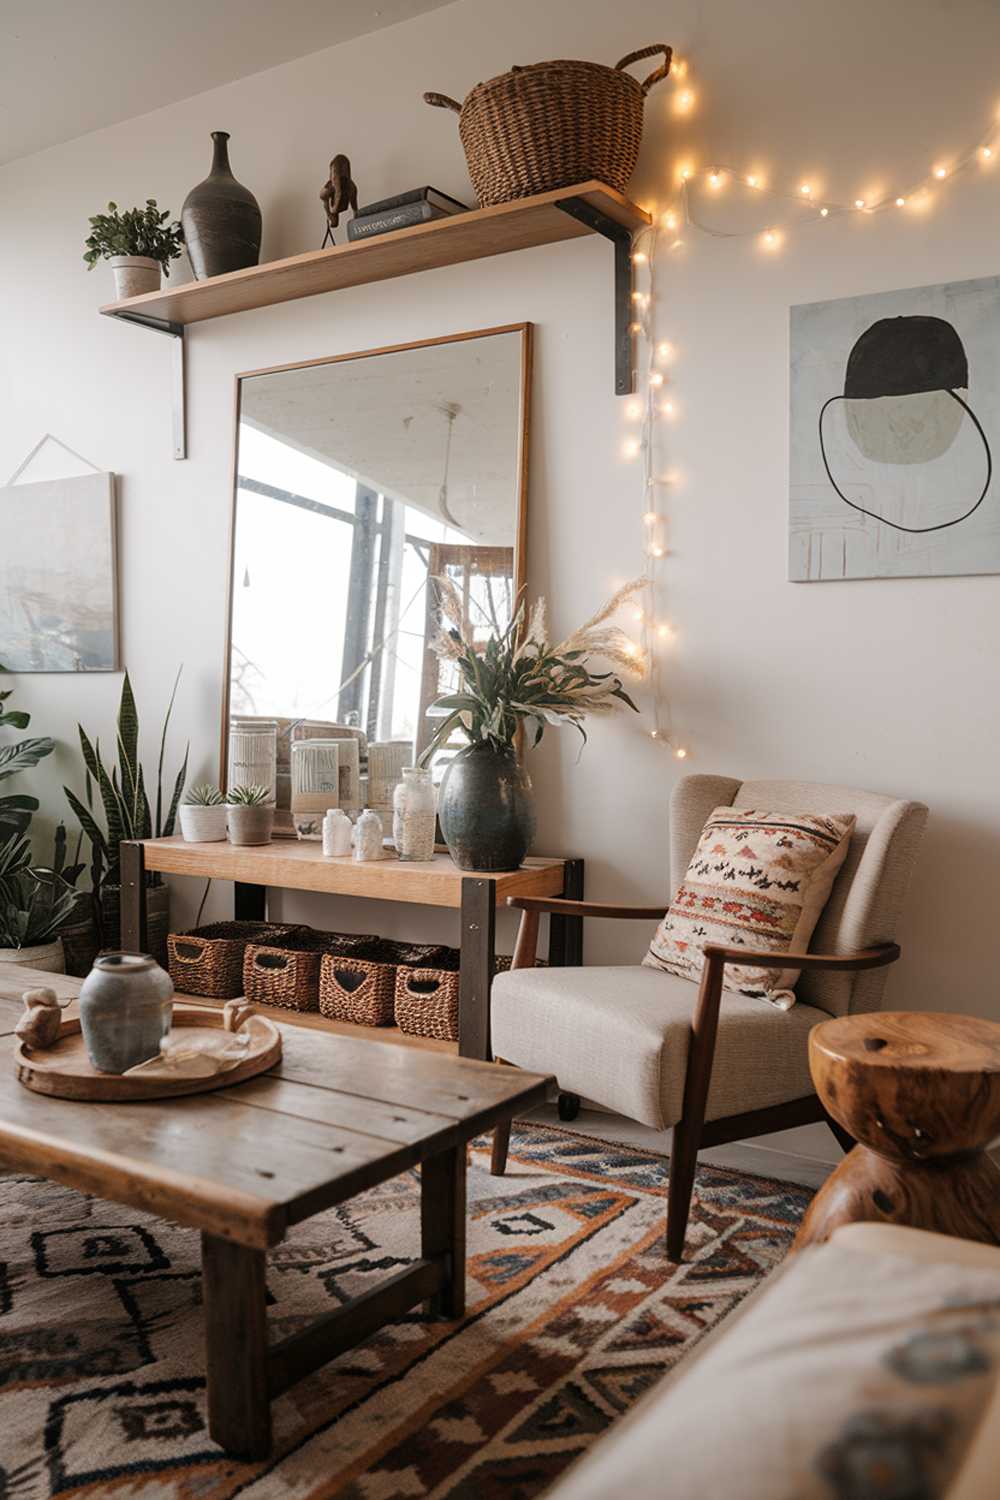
573	1313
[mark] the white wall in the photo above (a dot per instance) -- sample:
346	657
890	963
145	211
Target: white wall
887	685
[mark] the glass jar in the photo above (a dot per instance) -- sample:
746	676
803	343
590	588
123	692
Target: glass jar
414	814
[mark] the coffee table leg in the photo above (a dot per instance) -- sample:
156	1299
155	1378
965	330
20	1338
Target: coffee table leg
442	1227
235	1291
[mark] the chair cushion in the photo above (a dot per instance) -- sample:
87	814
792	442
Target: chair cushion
849	1374
619	1036
756	879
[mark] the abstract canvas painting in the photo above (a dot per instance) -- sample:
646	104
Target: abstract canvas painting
58	584
895	418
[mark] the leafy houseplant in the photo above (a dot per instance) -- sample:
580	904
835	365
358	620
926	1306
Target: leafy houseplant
34	901
519	678
250	815
203	814
127	815
138	242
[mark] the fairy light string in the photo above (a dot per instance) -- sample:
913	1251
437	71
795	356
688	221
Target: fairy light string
657	399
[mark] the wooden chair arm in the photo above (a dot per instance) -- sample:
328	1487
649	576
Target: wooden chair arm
865	958
563	908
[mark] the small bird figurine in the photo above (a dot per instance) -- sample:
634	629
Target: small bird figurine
340	192
39	1026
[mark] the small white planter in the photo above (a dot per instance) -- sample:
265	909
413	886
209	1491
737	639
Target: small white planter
134	275
203	825
47	956
250	825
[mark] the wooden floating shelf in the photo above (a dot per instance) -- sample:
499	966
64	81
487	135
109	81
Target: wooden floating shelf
521	225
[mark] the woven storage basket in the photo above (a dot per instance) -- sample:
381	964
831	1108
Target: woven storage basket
209	960
356	989
426	1002
286	973
552	125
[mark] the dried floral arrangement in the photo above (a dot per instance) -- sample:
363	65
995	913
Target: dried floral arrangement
520	677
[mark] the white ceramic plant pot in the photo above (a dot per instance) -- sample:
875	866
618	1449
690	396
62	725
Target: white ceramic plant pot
250	825
134	274
203	825
47	956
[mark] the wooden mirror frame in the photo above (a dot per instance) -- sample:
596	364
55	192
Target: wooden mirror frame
526	330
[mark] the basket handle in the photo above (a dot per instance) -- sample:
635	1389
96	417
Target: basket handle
631	57
443	101
270	958
188	950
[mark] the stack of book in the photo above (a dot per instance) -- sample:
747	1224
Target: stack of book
418	206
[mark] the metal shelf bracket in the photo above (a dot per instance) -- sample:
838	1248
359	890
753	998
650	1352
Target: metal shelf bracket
621	238
174	331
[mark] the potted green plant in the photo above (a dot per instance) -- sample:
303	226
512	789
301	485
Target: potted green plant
486	805
127	815
203	814
138	243
250	815
34	902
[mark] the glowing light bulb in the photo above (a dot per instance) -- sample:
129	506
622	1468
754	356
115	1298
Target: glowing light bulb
770	239
654	734
685	99
685	173
639	258
631	649
940	172
635	328
650	518
900	202
664	349
714	179
630	447
656	378
669	221
679	67
986	153
805	190
859	203
633	411
680	753
657	551
664	632
668	409
640	299
637	615
823	212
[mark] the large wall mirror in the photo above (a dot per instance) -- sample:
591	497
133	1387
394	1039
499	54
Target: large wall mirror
358	480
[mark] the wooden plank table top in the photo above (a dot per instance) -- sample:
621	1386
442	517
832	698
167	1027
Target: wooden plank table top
298	865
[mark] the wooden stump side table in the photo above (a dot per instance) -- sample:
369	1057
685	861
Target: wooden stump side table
920	1093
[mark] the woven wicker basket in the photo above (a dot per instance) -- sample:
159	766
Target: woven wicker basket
553	124
356	989
286	973
209	960
426	1002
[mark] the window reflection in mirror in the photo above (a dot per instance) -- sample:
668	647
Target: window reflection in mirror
357	481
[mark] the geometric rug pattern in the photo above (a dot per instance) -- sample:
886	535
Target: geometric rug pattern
573	1312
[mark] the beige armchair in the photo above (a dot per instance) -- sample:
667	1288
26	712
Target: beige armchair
712	1064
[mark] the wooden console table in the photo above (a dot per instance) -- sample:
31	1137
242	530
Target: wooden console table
287	865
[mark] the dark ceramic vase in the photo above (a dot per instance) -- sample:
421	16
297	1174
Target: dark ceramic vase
486	809
221	219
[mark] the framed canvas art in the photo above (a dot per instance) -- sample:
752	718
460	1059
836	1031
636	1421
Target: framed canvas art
895	418
58	576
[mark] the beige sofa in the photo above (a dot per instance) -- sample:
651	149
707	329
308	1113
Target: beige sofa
867	1368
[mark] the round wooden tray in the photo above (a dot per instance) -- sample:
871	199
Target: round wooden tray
65	1072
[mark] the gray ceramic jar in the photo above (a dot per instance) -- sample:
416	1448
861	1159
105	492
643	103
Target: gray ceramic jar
126	1004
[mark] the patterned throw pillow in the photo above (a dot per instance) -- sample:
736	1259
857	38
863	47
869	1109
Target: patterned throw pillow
756	880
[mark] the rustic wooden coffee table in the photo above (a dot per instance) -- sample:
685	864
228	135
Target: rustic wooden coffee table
335	1116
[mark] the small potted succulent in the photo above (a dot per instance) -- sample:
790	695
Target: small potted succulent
250	815
203	814
138	242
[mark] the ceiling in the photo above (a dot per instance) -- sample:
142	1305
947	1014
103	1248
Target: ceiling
68	67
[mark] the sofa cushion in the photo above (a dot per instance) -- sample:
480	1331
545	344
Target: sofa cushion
756	880
872	1374
619	1036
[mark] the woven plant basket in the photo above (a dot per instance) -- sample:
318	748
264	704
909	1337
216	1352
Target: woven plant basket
426	1003
356	989
552	125
209	960
286	973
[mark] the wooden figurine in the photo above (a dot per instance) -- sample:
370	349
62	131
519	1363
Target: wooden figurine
39	1026
340	192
